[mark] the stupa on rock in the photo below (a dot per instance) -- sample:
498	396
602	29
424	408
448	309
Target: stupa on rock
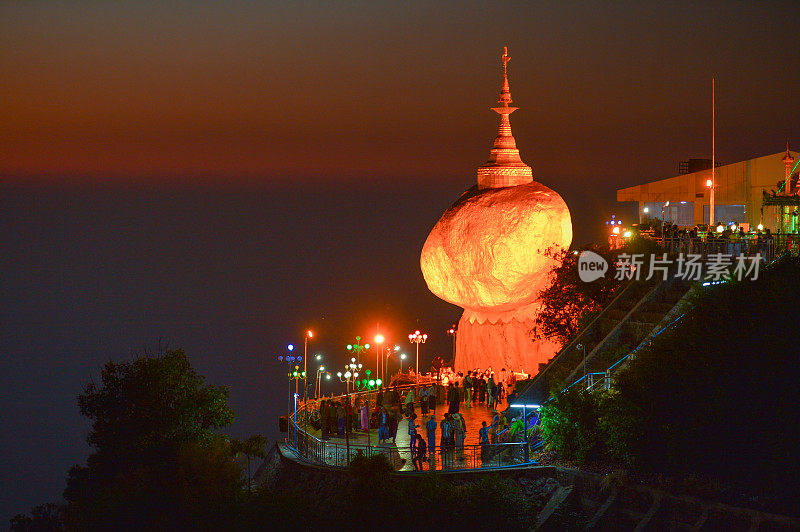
487	254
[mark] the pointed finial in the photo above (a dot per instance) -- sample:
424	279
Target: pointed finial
787	158
505	91
504	167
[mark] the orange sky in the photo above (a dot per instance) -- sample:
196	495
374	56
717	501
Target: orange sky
365	90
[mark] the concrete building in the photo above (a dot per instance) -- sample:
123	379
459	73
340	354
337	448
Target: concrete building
742	189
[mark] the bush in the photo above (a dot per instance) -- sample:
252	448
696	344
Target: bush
570	425
713	397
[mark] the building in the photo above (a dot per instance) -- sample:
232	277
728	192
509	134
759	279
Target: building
755	191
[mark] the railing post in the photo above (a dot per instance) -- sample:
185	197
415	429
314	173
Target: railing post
525	431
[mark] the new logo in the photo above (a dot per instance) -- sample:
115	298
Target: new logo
591	266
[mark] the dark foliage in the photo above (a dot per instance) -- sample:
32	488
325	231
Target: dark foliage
158	462
43	518
718	392
714	396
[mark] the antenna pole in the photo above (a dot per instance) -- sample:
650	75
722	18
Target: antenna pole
713	154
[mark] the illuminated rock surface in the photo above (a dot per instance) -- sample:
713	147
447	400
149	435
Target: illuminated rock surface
487	250
487	254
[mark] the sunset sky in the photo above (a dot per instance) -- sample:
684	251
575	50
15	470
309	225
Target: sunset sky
222	175
335	91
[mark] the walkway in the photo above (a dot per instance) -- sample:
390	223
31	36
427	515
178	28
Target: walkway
473	416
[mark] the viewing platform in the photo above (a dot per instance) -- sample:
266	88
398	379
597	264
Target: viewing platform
305	440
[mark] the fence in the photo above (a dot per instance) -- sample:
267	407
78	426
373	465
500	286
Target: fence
477	456
447	457
750	244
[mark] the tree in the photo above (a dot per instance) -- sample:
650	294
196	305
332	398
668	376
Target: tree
712	397
568	300
158	462
569	303
151	404
43	518
253	447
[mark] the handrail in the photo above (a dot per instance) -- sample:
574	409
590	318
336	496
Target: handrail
647	297
454	456
569	346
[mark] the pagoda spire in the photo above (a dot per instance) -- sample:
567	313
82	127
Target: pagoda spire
504	167
787	163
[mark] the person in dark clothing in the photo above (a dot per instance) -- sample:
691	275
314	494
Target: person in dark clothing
393	421
325	418
420	453
452	398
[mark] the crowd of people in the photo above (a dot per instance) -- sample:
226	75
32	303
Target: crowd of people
390	407
731	240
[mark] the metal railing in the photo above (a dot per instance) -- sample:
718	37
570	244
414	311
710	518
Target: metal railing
320	451
336	454
477	456
748	245
448	457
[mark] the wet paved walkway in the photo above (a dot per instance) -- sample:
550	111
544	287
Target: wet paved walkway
473	416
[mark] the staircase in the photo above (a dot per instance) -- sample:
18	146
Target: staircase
634	315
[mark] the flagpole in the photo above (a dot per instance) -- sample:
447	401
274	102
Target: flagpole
713	154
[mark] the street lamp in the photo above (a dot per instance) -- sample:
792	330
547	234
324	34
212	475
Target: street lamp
308	335
295	375
318	383
378	340
368	384
290	360
452	331
357	348
417	338
350	375
389	351
402	357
